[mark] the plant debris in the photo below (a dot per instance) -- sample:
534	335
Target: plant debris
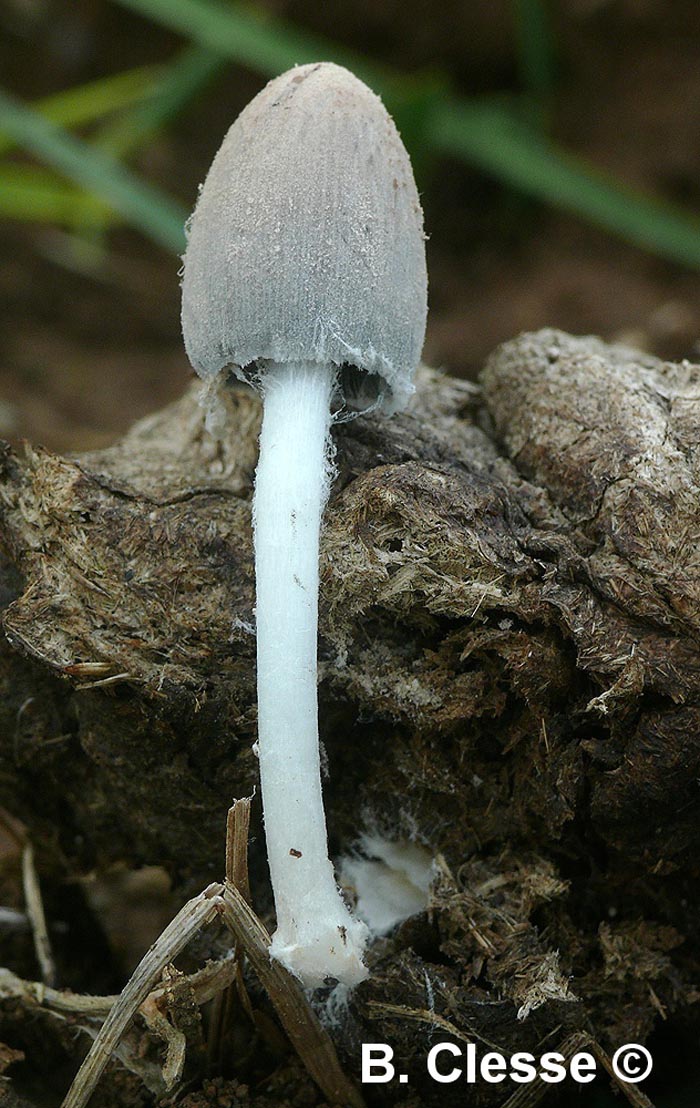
510	607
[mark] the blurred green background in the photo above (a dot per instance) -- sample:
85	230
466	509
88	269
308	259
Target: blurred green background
556	146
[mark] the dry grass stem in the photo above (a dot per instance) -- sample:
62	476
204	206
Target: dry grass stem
310	1040
35	911
237	825
195	914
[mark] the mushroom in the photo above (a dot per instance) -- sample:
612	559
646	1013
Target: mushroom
305	274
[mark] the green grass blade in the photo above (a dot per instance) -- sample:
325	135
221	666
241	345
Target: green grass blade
141	204
535	47
88	103
182	79
491	138
36	194
264	44
179	83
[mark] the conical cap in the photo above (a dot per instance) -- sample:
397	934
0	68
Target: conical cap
307	241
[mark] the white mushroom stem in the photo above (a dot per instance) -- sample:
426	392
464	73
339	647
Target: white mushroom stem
316	936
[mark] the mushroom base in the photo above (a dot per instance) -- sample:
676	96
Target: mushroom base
322	942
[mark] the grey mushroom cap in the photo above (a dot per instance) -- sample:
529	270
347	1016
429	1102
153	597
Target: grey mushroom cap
307	240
